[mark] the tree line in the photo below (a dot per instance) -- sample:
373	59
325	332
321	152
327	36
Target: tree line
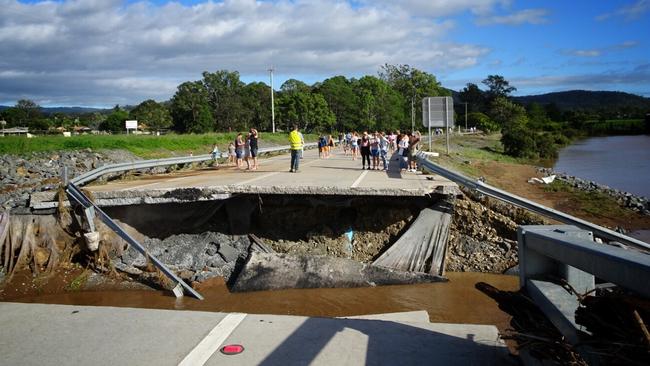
220	101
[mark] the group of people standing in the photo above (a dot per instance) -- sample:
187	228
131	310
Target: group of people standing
378	145
244	149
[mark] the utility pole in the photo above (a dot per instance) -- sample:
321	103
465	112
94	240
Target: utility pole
272	103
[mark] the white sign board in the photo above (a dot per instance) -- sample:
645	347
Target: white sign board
131	125
438	112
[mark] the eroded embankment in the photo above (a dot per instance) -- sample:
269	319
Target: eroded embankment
212	239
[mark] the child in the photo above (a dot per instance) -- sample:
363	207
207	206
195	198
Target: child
231	154
215	154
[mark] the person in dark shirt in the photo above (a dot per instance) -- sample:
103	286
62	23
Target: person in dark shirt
253	138
365	150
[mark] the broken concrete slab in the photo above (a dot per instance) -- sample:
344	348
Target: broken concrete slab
422	247
228	253
273	271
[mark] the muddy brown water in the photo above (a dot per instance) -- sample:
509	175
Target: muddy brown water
456	301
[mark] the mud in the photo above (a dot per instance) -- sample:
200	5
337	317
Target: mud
456	301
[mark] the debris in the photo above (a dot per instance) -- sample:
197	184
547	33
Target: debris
272	271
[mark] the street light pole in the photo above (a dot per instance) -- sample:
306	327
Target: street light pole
272	103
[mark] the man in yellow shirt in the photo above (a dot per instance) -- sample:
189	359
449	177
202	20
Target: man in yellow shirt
296	146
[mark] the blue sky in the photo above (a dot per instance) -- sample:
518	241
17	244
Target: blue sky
107	52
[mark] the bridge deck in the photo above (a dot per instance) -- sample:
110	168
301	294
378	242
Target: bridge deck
338	175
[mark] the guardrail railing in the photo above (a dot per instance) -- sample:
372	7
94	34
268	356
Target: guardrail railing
77	195
488	190
548	253
144	164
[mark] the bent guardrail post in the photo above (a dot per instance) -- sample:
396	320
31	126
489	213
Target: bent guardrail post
81	198
491	191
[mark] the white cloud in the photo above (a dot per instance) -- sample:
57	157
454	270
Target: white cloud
527	16
50	50
441	8
597	52
628	12
639	75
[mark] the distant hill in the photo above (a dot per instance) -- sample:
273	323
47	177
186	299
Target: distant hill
71	110
587	100
64	110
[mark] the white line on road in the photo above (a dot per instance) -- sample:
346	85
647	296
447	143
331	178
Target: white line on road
204	350
356	182
256	178
140	186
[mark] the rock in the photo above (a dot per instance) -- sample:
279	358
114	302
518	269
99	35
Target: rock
211	249
21	171
215	262
228	253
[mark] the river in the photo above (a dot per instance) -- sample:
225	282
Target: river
621	162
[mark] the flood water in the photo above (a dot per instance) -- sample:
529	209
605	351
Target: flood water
621	162
456	301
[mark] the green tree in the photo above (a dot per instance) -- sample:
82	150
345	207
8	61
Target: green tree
413	85
257	103
342	100
498	87
474	97
309	111
154	115
294	86
225	93
537	117
507	114
519	142
482	122
114	122
190	108
25	113
381	107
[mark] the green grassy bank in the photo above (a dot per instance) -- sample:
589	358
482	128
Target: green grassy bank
145	146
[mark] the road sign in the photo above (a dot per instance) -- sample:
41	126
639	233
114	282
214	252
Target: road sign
438	112
131	125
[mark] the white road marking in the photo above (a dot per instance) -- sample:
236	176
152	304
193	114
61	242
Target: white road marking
256	178
204	350
140	186
358	181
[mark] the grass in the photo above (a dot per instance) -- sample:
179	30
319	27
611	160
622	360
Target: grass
466	150
144	146
593	203
78	282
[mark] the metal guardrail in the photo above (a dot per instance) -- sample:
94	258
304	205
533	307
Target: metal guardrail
552	253
484	188
75	193
144	164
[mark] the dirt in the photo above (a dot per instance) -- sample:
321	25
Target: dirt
514	179
370	232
